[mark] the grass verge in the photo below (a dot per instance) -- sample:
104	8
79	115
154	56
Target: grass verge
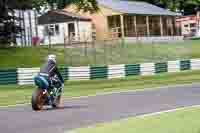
15	94
181	121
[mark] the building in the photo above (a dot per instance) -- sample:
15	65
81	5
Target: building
132	21
189	25
58	26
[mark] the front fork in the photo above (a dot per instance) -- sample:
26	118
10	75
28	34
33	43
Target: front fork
53	93
58	91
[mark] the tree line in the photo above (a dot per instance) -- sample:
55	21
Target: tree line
183	6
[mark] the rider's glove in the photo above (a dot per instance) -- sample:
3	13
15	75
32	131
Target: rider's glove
62	88
63	85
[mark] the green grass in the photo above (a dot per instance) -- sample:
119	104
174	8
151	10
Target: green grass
104	54
14	94
182	121
24	57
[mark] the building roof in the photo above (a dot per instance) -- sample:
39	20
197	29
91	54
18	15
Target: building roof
134	7
60	16
186	18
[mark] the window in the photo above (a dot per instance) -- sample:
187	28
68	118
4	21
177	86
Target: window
186	25
129	26
193	30
114	21
93	32
52	29
193	25
114	25
141	25
154	25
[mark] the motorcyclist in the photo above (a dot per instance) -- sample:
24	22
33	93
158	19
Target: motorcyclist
47	73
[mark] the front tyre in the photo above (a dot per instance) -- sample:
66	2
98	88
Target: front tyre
38	100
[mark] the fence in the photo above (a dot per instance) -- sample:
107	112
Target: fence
24	76
119	51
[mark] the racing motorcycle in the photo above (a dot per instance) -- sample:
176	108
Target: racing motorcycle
50	97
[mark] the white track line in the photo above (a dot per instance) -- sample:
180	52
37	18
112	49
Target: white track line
149	115
167	111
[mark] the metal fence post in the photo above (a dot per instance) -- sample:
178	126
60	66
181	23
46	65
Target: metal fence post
105	54
65	47
110	53
153	51
85	48
94	51
122	46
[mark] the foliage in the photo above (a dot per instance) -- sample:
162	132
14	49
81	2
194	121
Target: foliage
85	5
184	6
9	30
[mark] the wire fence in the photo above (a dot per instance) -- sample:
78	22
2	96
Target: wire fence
109	52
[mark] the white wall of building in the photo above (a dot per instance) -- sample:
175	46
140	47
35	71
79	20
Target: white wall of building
83	32
189	27
56	39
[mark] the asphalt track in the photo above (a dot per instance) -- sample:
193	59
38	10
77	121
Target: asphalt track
87	111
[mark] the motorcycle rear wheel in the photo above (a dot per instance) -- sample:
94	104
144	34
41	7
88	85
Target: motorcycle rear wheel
38	100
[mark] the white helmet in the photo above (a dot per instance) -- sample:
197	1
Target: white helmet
52	57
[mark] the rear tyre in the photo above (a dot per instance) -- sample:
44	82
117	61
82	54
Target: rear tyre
38	100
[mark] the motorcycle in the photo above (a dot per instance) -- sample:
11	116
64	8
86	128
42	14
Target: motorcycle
50	97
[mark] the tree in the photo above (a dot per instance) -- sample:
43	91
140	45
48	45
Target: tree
183	6
8	28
